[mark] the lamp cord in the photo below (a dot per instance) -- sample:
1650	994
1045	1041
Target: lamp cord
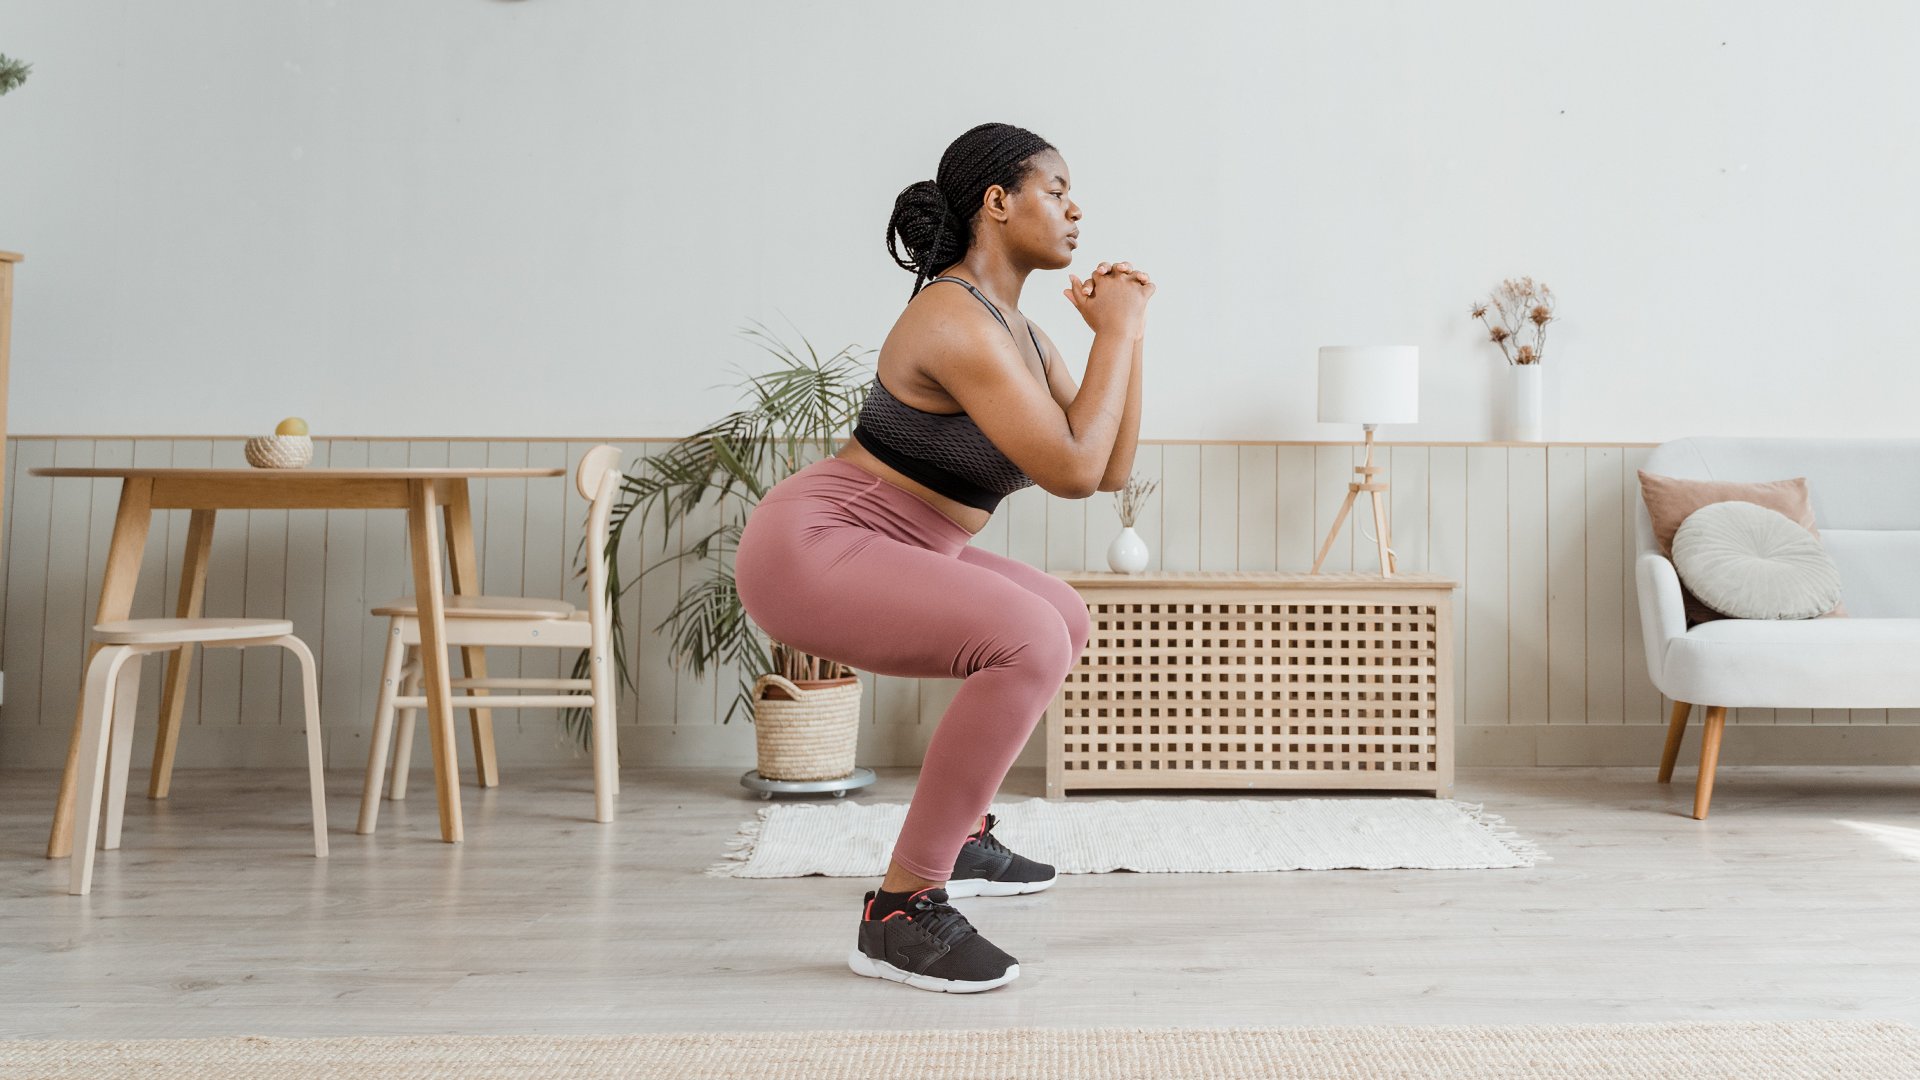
1391	554
1376	540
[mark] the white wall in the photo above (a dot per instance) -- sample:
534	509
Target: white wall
550	215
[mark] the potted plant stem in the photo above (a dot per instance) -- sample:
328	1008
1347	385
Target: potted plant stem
792	416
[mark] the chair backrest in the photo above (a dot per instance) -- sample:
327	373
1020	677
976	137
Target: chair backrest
1863	493
597	478
594	465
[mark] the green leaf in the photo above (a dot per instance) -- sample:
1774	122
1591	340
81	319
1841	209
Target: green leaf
12	73
732	464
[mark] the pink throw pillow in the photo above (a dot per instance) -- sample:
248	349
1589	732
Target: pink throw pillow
1669	500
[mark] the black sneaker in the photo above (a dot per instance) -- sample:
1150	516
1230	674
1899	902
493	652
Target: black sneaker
986	868
930	946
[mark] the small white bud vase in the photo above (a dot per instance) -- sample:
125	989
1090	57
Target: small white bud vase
1128	553
1526	403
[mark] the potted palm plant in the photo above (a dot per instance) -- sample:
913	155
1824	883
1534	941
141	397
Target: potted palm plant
806	708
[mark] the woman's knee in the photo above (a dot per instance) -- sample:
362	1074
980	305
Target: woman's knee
1062	649
1062	596
1053	645
1079	624
1030	633
1073	614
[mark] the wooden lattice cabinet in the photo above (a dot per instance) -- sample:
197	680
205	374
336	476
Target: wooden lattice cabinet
1258	680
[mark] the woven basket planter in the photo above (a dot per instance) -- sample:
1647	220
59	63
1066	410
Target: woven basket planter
806	730
279	451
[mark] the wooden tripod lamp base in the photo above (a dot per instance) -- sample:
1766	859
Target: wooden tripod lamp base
1368	385
1382	533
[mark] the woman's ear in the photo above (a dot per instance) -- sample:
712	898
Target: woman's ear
994	202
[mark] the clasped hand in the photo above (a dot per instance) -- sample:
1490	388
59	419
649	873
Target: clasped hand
1113	299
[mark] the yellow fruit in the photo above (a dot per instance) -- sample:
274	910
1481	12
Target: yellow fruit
292	425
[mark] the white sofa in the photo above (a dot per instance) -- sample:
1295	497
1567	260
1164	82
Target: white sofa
1866	502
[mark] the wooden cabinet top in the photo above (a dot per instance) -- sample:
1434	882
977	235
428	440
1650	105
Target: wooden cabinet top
1344	581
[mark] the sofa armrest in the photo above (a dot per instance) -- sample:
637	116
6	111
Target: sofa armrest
1663	615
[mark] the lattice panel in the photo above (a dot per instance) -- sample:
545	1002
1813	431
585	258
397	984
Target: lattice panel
1268	688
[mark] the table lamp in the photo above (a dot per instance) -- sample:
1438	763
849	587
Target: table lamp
1368	385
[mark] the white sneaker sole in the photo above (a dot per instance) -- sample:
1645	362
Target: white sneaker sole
961	888
862	964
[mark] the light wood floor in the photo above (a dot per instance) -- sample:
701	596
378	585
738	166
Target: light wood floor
211	921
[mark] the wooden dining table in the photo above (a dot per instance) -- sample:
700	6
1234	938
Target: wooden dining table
205	492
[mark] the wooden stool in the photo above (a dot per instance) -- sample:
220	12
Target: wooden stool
113	690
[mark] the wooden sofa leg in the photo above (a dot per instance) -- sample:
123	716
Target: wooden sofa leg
1709	758
1676	731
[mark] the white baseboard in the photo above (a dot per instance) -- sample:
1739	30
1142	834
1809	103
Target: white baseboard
709	745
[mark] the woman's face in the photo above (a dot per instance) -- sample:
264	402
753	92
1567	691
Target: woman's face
1042	219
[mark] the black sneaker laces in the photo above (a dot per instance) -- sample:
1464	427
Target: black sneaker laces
985	837
943	922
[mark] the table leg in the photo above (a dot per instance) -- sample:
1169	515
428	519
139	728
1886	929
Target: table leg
464	568
117	583
173	698
424	539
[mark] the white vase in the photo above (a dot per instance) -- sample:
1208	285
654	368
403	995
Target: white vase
1128	553
1526	404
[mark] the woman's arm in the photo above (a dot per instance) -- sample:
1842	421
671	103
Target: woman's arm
1060	383
1120	462
1067	452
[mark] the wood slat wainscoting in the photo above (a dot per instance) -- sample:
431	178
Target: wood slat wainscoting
1550	665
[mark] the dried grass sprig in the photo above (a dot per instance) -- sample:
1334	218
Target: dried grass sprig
1130	499
791	663
1519	305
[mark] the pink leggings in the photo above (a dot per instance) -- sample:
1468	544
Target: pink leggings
841	564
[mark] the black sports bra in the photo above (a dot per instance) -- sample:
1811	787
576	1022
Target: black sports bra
945	451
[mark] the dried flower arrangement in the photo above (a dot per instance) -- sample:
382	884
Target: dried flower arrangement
1130	499
1518	303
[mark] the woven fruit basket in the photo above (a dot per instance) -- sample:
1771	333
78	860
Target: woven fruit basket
806	730
279	451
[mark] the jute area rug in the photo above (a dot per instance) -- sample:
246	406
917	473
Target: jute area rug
1812	1050
1170	836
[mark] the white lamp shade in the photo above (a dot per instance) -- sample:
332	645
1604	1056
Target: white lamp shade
1370	384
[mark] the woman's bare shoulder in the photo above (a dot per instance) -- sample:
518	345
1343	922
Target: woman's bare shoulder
944	325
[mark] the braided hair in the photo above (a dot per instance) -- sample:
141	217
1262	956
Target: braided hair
933	219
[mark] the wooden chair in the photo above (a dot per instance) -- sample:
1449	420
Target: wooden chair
112	692
509	622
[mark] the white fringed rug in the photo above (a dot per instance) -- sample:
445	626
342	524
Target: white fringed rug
1801	1050
1190	836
